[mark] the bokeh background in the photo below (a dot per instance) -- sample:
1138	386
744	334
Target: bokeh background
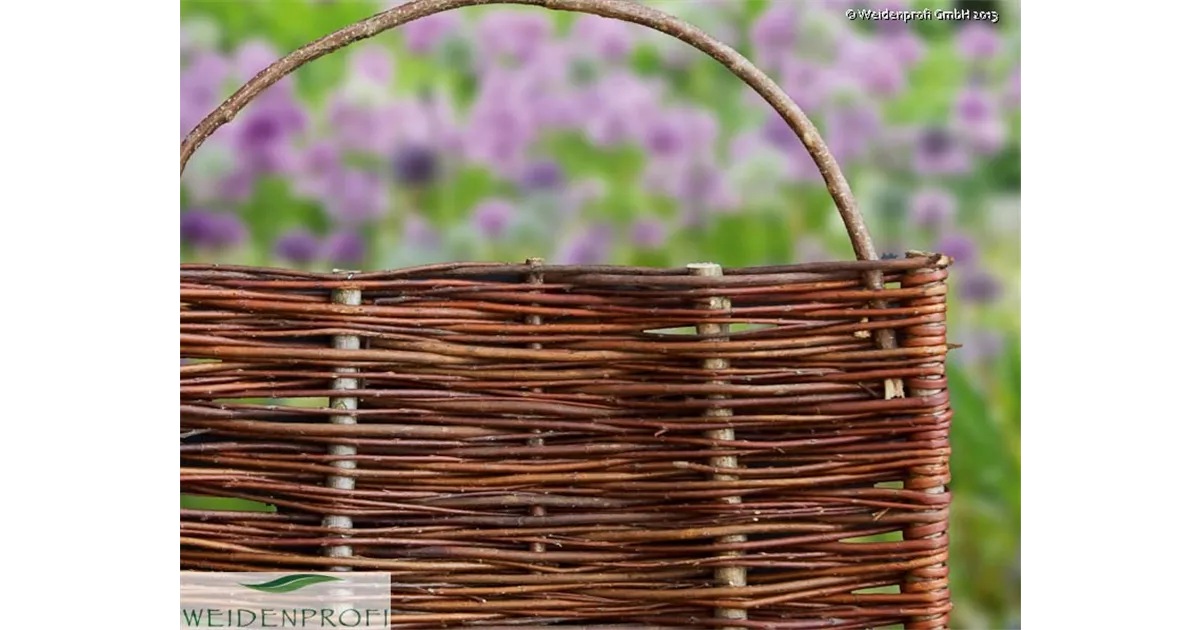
501	133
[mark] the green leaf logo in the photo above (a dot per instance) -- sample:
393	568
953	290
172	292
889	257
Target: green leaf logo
289	583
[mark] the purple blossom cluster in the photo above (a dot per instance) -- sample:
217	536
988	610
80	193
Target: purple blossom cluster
377	155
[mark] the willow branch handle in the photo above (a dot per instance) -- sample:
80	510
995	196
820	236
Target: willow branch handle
624	10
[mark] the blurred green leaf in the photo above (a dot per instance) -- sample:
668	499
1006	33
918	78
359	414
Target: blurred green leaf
981	464
620	166
755	8
1013	373
644	60
619	207
972	435
815	207
934	83
562	21
651	258
1003	172
222	504
742	240
457	198
268	213
778	240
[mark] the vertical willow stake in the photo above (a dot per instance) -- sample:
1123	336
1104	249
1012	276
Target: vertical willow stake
535	277
930	478
726	575
348	297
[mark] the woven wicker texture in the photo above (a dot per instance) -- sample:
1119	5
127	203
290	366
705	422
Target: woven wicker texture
588	447
536	443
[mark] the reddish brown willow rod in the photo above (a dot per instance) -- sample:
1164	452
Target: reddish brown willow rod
835	181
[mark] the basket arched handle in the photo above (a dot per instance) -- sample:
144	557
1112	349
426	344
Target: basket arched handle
625	10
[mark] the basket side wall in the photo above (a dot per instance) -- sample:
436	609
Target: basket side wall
579	446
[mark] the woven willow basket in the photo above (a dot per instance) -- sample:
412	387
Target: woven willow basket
537	446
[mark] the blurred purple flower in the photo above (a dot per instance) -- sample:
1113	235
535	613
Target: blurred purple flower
980	346
560	109
492	217
939	152
201	86
542	89
960	247
373	63
700	188
889	26
974	106
252	57
360	127
1013	92
425	34
989	137
906	46
752	157
808	83
501	125
648	234
777	136
666	136
498	137
508	35
680	132
298	245
604	38
206	229
265	134
589	247
852	129
430	121
978	117
356	197
618	104
978	41
208	169
237	186
932	207
870	65
542	175
416	165
778	133
775	32
345	248
580	194
314	169
978	287
419	233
